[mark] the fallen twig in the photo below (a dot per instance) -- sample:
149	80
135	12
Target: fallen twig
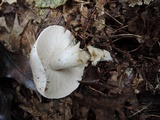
140	110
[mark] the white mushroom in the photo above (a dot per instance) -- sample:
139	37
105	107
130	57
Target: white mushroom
58	63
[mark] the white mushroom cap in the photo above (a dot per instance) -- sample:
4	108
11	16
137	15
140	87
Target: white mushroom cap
57	62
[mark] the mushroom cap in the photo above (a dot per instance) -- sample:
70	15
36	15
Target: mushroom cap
54	83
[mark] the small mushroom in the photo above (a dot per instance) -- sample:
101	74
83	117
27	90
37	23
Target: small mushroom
57	62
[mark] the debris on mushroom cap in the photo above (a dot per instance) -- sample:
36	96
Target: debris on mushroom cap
56	62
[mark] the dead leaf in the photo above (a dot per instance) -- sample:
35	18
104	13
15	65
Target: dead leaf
16	66
48	3
15	35
99	105
132	3
10	1
28	38
4	36
99	20
3	23
55	109
82	113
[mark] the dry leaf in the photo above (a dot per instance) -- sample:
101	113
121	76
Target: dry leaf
28	38
15	35
53	110
47	3
10	1
16	66
132	3
99	20
3	23
84	12
4	36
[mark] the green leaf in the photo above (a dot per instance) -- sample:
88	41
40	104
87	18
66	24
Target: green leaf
49	3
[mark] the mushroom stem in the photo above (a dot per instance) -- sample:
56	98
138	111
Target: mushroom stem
72	56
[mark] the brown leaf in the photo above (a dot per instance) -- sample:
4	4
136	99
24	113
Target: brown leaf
28	38
132	3
84	12
3	23
52	110
106	107
100	20
15	35
11	1
4	36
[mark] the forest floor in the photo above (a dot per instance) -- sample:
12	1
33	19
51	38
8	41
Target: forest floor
126	89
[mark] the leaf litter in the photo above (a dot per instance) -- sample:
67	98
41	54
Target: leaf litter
128	88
